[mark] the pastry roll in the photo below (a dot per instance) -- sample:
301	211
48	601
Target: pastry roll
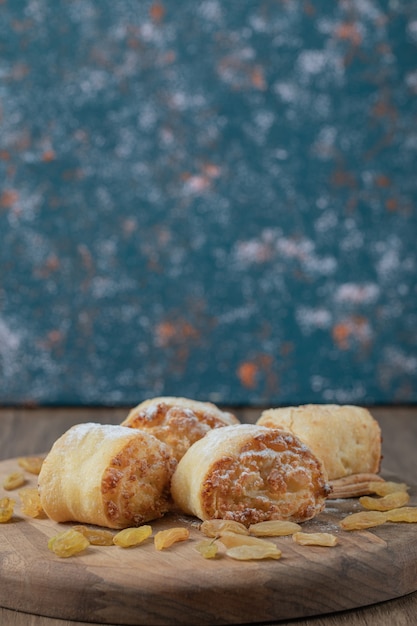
106	475
346	438
250	474
178	422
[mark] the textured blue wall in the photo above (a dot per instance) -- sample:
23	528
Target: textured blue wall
210	199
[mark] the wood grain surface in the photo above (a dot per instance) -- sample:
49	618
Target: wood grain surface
365	567
143	586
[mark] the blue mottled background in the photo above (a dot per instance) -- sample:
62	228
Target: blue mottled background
209	199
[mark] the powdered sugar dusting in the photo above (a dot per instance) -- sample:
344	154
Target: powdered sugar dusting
75	435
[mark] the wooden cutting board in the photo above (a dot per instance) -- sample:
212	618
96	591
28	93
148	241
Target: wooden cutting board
143	586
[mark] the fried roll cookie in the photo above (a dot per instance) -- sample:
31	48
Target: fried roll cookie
178	422
106	475
250	474
346	438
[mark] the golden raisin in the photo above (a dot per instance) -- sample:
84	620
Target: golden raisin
96	537
129	537
14	481
31	464
403	514
363	519
68	543
165	538
6	509
215	527
386	487
274	528
386	503
315	539
207	548
250	553
31	502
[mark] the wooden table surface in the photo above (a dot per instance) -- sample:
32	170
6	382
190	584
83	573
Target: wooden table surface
32	431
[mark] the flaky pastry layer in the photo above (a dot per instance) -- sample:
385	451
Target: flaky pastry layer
178	422
106	475
250	473
346	438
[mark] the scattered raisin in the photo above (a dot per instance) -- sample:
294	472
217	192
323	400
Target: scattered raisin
165	538
129	537
68	543
6	509
315	539
14	481
31	502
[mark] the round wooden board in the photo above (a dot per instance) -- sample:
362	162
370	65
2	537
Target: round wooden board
143	586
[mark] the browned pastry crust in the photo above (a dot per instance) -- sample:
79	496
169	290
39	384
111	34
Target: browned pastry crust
346	438
106	475
250	473
178	422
